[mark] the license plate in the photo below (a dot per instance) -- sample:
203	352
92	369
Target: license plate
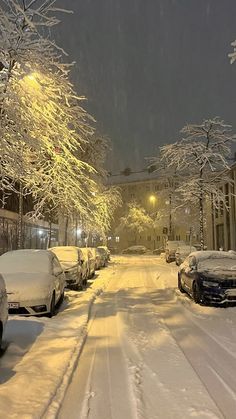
13	305
231	292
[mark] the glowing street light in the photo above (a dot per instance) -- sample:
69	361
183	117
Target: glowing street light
152	199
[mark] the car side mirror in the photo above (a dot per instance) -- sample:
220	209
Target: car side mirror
57	271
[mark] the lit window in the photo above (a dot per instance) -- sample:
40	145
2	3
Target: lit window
117	239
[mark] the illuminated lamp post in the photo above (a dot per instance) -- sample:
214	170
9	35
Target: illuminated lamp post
153	200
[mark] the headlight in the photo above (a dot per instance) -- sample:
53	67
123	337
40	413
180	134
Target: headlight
210	283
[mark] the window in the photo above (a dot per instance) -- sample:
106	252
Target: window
158	238
149	238
132	196
56	267
117	239
178	237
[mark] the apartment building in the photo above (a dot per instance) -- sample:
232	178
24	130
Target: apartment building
151	193
221	222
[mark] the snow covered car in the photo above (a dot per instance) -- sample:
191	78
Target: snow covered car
182	252
158	250
209	276
71	260
97	256
3	307
107	251
89	261
170	249
103	256
135	250
34	281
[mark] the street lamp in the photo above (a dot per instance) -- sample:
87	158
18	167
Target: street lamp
152	200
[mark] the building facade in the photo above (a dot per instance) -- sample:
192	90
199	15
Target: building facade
151	193
221	222
35	235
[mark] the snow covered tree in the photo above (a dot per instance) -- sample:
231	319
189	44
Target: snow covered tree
136	220
201	156
42	122
170	180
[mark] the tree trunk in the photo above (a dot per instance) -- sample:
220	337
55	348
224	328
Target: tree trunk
201	220
50	232
170	218
20	219
66	231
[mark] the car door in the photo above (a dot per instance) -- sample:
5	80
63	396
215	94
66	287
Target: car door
189	272
59	277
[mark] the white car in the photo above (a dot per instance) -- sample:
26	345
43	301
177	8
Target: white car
34	281
182	252
71	260
89	261
3	307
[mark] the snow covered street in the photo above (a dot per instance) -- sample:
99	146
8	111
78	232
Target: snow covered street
130	346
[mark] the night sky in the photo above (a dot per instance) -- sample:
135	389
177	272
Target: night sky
148	67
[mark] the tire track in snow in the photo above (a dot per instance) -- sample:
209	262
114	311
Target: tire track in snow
213	363
100	383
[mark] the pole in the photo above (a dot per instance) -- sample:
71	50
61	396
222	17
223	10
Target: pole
20	218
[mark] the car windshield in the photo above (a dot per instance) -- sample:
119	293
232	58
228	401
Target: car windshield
217	264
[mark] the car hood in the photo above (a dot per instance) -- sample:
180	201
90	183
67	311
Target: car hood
28	286
69	265
219	275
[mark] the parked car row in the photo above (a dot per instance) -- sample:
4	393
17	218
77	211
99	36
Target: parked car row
32	281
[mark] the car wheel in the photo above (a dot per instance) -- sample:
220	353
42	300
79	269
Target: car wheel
52	306
197	295
60	301
180	285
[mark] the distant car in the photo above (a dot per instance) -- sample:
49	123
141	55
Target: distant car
170	249
135	250
71	260
103	256
209	276
3	307
182	252
34	281
158	251
89	261
113	250
108	252
97	257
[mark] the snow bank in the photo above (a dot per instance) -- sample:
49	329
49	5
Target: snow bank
42	354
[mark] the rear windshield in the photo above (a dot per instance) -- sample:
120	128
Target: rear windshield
66	255
23	262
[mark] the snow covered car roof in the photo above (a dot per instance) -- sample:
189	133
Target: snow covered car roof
185	248
212	254
66	253
215	260
26	260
